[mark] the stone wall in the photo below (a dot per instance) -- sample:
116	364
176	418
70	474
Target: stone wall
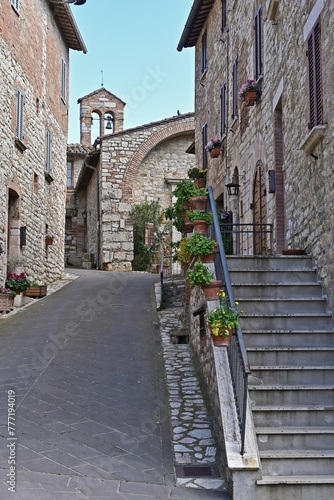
31	50
301	210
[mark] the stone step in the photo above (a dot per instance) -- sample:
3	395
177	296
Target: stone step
291	322
283	305
268	263
291	394
301	356
244	276
277	290
297	462
287	338
295	438
302	479
293	375
293	416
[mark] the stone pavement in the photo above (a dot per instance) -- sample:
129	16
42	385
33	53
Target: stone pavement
85	369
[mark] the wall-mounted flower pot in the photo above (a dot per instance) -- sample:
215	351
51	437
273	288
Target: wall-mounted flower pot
219	341
215	152
206	259
211	290
198	202
48	241
250	97
200	226
200	183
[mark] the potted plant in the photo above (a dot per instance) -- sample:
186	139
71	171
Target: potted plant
17	282
49	238
199	245
36	291
200	220
199	274
213	146
198	176
199	200
176	213
222	321
250	92
6	300
182	254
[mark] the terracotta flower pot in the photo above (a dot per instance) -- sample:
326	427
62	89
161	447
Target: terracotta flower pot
219	341
206	259
212	289
200	226
250	97
215	152
200	183
198	202
48	241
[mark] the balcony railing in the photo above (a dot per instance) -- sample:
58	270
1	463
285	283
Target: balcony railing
246	239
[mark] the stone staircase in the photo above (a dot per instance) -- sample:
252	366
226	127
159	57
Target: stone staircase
289	335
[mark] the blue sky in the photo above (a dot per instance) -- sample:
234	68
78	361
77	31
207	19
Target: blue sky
134	43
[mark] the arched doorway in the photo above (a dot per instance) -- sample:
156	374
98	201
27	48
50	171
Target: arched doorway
259	209
13	226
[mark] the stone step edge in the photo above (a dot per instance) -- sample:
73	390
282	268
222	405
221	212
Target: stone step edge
274	480
288	349
294	430
281	299
292	454
290	332
286	315
291	367
290	387
293	408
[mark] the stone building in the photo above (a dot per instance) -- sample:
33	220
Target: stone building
124	168
280	150
35	38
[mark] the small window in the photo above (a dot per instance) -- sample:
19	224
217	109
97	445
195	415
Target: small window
15	4
19	114
63	80
204	54
223	109
204	143
48	152
258	43
223	15
314	76
235	89
69	174
35	183
68	223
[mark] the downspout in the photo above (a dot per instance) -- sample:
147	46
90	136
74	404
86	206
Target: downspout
98	212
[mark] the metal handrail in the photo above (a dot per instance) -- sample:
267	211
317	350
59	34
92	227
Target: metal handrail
239	364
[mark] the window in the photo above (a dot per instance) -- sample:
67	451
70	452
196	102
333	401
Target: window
63	80
235	89
15	4
314	76
19	114
204	54
48	152
223	15
258	43
204	143
69	174
223	109
68	223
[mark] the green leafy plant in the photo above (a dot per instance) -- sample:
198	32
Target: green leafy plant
7	291
199	274
213	143
195	173
198	215
50	236
224	318
17	282
198	244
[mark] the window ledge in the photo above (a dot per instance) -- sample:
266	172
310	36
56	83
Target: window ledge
272	10
20	145
48	177
313	138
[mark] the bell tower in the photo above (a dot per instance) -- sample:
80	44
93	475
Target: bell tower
101	113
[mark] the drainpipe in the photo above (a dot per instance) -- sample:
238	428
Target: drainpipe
98	212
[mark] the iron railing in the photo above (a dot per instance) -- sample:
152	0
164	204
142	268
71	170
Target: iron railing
237	353
246	239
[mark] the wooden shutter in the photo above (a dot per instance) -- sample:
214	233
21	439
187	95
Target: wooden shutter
16	4
314	70
223	15
235	88
258	43
48	151
204	54
19	114
63	80
204	143
223	108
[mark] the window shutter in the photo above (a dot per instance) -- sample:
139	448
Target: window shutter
314	67
15	4
19	114
204	54
204	143
48	151
63	80
235	88
258	43
223	15
223	108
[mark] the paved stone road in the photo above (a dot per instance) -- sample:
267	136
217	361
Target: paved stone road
91	417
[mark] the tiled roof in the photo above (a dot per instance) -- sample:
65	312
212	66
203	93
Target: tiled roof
195	22
67	25
79	149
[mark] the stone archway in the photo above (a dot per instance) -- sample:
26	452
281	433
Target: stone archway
13	224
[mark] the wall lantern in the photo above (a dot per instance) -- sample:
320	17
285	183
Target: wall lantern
232	189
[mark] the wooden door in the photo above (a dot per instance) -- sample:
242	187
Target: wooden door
259	209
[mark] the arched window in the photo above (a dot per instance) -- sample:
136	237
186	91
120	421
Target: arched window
95	126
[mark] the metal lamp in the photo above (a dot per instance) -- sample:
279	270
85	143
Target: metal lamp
233	189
